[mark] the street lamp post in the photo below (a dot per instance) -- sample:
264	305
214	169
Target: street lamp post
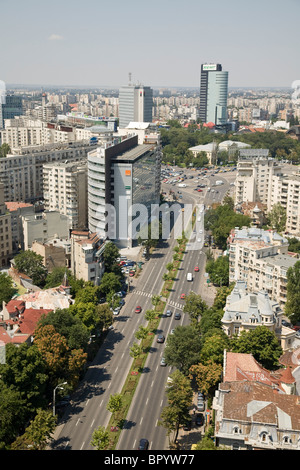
61	388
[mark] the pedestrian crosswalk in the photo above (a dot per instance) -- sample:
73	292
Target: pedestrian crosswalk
140	292
171	303
176	305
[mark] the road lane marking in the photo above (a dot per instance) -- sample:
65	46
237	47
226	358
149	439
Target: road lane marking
92	423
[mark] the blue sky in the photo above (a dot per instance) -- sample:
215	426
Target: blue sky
162	43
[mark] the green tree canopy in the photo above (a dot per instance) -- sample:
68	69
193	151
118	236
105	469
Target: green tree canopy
183	348
7	290
261	343
28	262
292	306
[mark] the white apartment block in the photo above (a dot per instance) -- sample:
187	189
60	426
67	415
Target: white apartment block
22	171
255	171
286	191
65	191
260	258
23	131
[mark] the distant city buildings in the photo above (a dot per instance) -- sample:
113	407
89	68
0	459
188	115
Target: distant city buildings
213	94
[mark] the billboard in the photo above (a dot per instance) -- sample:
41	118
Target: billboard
209	67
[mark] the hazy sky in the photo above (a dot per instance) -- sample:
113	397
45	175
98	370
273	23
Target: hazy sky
160	42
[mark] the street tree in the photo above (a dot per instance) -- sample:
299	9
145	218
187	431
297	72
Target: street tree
179	396
292	306
207	376
115	404
100	438
38	433
194	307
183	348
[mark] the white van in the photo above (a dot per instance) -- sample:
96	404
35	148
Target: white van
189	277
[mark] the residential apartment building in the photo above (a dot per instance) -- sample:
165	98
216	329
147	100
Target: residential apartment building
87	256
40	227
18	210
255	171
56	252
135	104
65	191
24	131
5	231
285	190
119	176
22	171
213	94
260	258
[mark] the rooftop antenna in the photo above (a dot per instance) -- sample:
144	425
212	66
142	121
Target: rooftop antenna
129	78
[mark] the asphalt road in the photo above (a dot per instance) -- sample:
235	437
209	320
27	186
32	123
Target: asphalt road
108	372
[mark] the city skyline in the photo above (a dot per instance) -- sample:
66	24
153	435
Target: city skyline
161	44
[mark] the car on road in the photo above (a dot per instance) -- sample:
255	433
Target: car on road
196	269
182	296
160	339
168	313
199	419
138	309
163	362
144	444
177	316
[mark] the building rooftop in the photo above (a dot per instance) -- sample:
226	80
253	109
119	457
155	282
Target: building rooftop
134	153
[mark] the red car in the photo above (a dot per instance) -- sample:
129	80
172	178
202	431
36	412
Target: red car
196	269
182	296
131	273
138	309
200	190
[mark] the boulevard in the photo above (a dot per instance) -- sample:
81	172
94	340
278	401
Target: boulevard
107	374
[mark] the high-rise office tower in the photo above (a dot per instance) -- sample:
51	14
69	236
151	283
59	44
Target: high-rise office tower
135	104
11	107
120	177
213	94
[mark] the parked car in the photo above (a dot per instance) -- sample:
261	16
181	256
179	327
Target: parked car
187	426
199	419
201	405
